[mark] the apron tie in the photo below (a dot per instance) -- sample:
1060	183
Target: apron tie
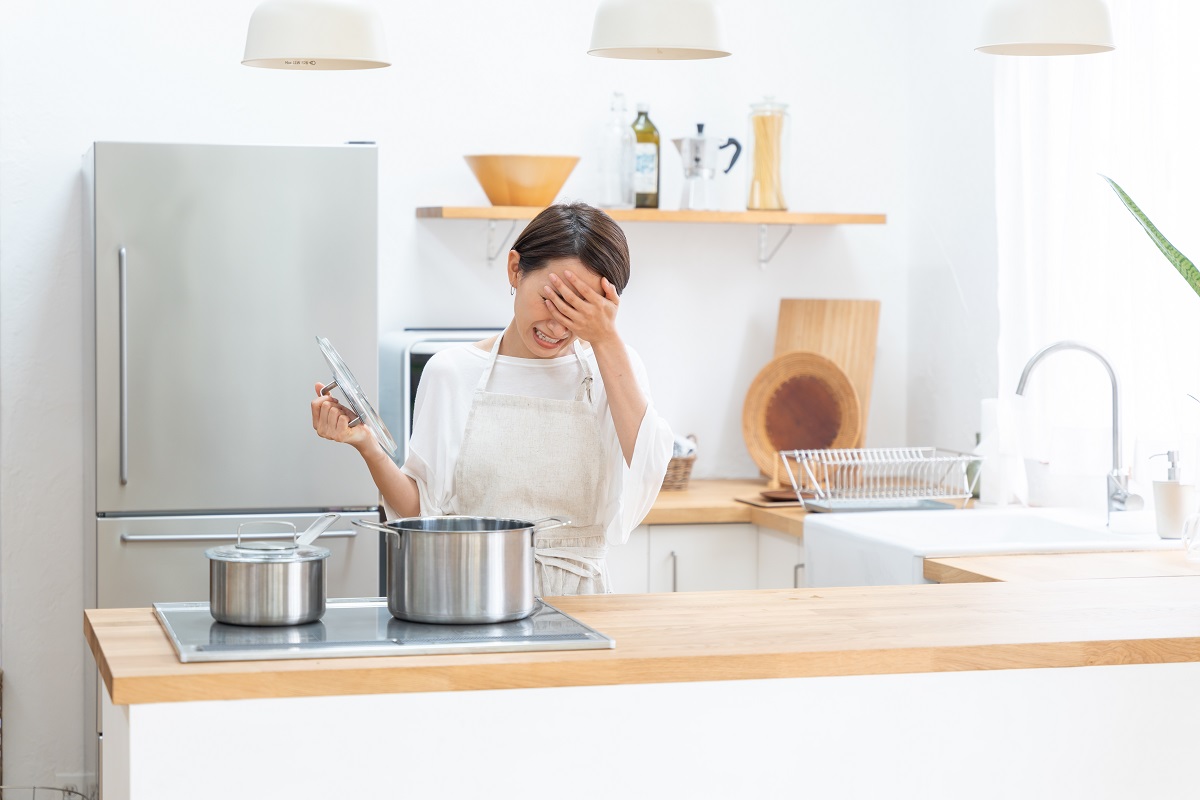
586	562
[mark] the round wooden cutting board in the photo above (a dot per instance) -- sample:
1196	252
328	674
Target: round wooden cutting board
799	401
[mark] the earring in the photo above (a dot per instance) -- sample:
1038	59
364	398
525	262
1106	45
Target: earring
512	290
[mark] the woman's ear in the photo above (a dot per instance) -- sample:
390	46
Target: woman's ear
514	268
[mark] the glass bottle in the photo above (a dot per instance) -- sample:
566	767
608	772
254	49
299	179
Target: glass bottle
768	155
616	157
646	162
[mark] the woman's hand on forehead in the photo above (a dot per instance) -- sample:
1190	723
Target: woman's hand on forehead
589	314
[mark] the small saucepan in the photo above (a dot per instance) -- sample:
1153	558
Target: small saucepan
461	570
269	583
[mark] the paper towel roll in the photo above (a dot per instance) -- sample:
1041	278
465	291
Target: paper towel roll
1002	478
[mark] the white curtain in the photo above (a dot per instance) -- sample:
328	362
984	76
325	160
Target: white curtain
1074	264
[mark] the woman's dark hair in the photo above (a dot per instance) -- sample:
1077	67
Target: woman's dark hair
576	231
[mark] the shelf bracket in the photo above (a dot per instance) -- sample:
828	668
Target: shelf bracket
763	257
494	251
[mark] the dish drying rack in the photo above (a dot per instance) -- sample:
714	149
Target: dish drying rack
879	478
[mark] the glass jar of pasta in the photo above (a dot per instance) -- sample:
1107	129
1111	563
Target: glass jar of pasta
768	155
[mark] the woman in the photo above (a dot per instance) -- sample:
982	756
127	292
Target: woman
534	422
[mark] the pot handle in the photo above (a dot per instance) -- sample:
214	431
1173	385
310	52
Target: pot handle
375	526
546	523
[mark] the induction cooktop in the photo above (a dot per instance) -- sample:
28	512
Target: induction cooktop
363	626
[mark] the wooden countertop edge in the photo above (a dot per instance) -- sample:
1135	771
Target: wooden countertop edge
711	501
361	680
698	515
93	643
941	572
789	520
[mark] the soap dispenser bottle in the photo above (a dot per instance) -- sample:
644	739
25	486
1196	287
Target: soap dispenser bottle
1173	501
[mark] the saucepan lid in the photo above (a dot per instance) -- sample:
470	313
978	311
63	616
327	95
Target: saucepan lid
343	379
266	550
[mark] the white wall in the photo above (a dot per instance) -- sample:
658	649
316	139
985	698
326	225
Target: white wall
953	314
870	128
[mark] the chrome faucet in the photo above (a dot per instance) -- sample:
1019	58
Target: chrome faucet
1119	497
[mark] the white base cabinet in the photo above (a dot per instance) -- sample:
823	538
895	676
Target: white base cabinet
706	558
780	560
703	558
629	564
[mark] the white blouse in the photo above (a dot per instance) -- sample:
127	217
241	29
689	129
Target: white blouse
443	402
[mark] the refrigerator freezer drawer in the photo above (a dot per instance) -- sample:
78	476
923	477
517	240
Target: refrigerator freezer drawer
145	560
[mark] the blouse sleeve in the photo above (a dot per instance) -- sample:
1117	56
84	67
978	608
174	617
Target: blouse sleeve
432	447
637	483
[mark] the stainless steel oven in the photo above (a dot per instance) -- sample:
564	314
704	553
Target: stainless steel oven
402	357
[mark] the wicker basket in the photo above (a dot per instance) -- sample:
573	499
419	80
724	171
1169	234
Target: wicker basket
678	472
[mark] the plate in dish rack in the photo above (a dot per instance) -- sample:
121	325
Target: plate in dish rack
799	401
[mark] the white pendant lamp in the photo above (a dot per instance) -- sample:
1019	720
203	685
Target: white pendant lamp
658	30
1046	28
315	34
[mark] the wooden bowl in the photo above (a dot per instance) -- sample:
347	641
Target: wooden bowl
521	180
799	401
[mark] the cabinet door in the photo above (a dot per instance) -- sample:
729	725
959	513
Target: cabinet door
701	558
780	560
629	563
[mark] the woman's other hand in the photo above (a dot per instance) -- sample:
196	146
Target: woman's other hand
331	420
588	314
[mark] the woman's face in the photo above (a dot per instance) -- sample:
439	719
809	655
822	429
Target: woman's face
538	335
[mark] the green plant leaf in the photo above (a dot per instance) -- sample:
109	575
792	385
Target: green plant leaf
1181	262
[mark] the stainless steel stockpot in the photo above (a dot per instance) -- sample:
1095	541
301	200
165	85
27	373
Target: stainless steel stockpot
461	570
266	583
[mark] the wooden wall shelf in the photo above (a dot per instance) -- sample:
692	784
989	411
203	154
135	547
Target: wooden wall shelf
760	218
660	215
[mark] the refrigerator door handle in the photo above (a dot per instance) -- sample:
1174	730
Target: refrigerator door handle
124	433
134	538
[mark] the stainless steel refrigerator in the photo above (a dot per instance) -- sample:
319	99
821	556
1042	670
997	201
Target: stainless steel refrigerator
210	270
213	268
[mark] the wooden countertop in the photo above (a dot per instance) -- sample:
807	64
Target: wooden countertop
707	636
1060	566
708	501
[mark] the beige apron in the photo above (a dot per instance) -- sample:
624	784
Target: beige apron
533	457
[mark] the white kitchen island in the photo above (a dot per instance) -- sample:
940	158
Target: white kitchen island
1061	689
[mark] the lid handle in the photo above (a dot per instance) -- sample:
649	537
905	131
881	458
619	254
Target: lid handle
264	522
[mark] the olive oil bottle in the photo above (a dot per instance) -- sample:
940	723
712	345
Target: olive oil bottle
646	161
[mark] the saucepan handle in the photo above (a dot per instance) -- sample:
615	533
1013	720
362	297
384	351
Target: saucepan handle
375	526
546	523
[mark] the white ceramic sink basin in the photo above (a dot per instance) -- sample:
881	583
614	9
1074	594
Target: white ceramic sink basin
876	549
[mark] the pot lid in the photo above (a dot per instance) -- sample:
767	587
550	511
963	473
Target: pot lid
268	552
356	398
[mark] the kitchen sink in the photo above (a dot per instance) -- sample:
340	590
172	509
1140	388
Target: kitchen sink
884	548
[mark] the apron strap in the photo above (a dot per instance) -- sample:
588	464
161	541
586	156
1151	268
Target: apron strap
491	362
585	386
